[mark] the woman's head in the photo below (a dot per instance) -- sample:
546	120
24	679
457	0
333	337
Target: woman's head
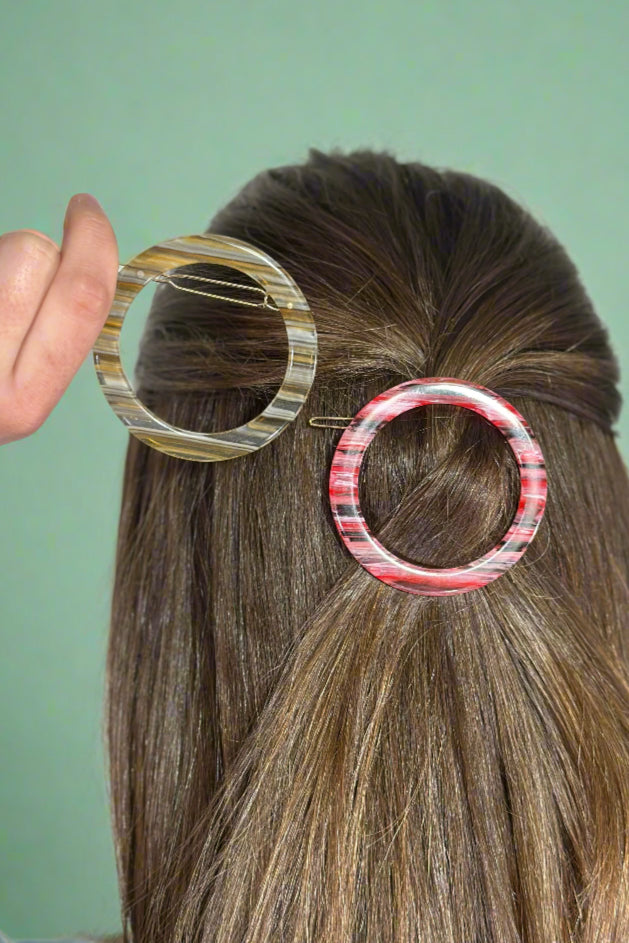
297	750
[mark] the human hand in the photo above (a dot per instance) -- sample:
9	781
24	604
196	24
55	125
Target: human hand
53	305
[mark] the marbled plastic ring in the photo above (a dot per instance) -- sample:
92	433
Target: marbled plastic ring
302	349
348	458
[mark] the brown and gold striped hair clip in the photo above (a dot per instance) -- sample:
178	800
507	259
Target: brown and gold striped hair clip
279	292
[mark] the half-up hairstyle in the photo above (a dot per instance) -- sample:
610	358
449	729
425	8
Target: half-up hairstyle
298	752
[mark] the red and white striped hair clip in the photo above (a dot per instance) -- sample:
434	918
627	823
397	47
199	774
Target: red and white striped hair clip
347	462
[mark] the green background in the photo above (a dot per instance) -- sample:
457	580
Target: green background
163	111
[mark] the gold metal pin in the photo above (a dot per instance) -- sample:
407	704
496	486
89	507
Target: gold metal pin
266	302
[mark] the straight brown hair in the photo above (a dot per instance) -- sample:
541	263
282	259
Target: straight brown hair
298	751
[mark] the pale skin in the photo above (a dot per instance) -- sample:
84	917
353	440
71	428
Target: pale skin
53	305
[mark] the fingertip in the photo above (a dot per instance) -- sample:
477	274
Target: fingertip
79	202
85	201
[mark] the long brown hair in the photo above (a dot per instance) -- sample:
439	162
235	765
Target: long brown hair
297	751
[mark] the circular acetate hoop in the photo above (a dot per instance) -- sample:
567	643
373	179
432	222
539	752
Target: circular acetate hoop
348	458
302	349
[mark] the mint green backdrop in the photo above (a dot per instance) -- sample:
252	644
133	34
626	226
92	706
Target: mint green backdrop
163	111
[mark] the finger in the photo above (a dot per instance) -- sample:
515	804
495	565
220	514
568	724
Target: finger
28	263
73	311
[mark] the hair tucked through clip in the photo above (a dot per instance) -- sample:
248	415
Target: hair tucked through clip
347	460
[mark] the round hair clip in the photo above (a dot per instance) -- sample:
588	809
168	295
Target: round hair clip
348	458
154	264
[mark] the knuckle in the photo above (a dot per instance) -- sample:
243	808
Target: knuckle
32	421
20	419
88	294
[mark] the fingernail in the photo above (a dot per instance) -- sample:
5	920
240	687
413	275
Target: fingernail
34	232
86	199
82	201
39	235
